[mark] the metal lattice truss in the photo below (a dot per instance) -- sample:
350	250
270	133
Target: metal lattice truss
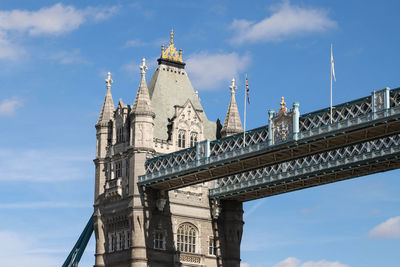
217	147
395	98
169	171
343	112
348	157
256	136
171	160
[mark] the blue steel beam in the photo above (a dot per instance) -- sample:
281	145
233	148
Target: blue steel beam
213	167
374	156
212	160
77	251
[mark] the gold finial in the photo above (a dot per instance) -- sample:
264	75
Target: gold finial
283	104
172	36
170	52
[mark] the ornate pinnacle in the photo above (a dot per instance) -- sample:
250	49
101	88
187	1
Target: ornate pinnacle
172	36
170	52
143	67
283	108
283	104
109	81
233	86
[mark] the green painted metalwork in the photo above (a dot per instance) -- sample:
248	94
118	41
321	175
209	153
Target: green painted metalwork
77	251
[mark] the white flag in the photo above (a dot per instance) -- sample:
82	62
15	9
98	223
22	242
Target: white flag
332	65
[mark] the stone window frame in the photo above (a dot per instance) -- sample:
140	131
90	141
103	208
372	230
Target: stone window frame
128	239
120	134
187	236
112	242
159	240
212	246
181	138
121	245
118	169
193	138
119	240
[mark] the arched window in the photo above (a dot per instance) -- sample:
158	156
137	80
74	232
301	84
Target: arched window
186	238
181	139
193	139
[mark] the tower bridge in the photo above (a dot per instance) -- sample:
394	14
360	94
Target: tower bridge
362	138
169	183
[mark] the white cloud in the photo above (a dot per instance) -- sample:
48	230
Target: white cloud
16	250
389	229
55	19
288	262
140	43
244	264
8	50
293	262
211	71
36	165
69	57
285	22
323	263
8	106
135	43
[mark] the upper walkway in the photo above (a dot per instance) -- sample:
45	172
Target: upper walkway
287	137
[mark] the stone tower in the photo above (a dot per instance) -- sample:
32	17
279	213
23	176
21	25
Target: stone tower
154	228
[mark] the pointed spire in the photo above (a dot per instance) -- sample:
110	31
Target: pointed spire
232	123
142	104
107	111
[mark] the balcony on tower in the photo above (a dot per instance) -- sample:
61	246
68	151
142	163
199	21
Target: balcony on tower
113	188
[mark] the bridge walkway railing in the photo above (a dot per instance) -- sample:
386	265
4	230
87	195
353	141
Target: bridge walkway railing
208	153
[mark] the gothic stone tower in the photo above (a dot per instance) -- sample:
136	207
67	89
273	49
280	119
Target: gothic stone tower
138	227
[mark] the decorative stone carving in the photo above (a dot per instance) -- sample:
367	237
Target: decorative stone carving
283	124
189	258
215	208
160	203
379	101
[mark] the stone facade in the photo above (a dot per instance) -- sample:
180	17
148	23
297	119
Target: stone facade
153	228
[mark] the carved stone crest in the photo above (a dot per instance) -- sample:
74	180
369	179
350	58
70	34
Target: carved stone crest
215	209
282	125
379	101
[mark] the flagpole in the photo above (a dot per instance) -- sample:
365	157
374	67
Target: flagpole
245	96
331	83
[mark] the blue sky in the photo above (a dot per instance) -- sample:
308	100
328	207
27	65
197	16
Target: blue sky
54	57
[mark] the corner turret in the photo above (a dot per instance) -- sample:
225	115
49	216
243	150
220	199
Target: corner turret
103	136
142	114
232	123
107	111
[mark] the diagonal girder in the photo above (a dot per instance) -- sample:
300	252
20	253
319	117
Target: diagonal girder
351	161
267	155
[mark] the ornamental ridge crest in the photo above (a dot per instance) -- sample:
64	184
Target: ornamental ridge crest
283	124
171	53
